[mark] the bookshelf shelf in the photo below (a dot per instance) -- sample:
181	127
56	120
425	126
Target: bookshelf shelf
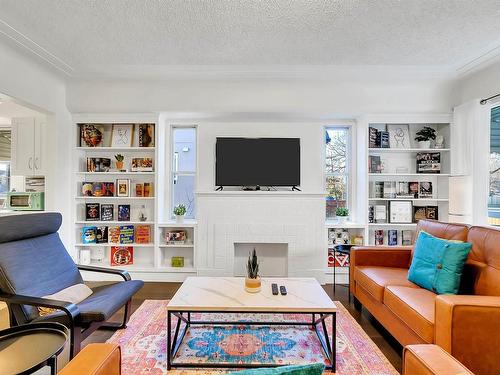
408	150
117	198
410	199
115	173
114	244
187	246
410	174
410	225
114	222
111	149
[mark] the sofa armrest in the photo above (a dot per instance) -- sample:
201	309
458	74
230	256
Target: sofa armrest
70	309
95	359
381	256
430	359
124	274
467	327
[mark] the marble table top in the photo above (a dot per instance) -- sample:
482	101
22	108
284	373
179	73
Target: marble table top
228	294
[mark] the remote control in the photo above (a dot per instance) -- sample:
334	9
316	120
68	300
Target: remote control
274	287
283	290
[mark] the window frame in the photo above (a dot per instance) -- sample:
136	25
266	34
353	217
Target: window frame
172	174
350	164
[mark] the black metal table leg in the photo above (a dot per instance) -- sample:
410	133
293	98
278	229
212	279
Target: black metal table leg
334	270
169	340
52	363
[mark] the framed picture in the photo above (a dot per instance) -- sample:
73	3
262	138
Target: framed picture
400	211
399	135
123	188
122	135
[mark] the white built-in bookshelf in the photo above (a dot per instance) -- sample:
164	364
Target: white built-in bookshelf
399	165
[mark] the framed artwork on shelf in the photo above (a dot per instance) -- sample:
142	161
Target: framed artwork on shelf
400	212
123	187
91	135
399	135
122	135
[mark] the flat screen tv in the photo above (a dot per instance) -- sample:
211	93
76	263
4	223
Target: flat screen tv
257	162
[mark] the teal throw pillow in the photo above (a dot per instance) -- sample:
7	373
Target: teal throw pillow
437	264
311	369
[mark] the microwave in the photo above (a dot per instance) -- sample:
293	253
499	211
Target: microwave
29	201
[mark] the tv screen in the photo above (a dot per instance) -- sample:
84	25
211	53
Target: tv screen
257	161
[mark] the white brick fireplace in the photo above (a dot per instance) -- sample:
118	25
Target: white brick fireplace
229	219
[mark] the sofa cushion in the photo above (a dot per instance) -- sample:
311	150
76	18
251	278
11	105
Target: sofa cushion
375	279
437	263
415	307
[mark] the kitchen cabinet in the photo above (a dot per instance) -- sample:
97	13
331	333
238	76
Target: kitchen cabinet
28	143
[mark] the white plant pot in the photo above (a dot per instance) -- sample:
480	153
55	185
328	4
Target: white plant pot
179	219
342	219
424	144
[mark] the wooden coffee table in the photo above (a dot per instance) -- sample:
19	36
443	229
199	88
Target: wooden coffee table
227	294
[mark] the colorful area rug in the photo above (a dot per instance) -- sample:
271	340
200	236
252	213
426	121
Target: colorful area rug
144	343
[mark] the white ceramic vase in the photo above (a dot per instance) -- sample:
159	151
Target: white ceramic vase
179	219
424	144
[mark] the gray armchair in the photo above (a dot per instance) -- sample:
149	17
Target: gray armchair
35	263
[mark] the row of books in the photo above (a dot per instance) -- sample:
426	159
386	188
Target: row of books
401	189
117	135
123	234
106	212
382	213
378	138
392	237
107	189
426	162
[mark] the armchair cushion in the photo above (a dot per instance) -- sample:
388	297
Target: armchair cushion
74	294
375	279
102	304
430	360
437	264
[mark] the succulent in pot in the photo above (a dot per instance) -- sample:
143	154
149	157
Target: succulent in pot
119	161
179	212
252	281
342	214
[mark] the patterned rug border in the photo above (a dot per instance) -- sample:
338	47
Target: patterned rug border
122	337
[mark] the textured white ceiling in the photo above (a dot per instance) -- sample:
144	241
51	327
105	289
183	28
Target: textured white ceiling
89	33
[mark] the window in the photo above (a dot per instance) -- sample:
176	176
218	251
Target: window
337	168
184	169
494	196
5	147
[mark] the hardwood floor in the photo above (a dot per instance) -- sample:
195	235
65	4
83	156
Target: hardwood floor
386	343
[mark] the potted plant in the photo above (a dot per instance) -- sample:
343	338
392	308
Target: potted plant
424	137
179	212
252	281
342	214
119	161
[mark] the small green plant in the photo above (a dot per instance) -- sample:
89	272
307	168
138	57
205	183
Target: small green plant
119	157
342	211
252	265
179	210
425	134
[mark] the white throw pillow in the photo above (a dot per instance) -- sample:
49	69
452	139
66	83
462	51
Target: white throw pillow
74	294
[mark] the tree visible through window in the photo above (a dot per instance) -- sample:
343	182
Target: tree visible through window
336	168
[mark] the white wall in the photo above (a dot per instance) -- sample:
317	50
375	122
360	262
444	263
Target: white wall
481	84
33	84
338	95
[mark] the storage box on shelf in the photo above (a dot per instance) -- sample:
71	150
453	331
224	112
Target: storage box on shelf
406	182
115	182
177	246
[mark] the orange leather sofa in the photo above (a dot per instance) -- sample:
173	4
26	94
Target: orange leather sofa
430	360
95	359
465	325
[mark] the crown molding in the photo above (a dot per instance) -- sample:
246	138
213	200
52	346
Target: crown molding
11	34
489	57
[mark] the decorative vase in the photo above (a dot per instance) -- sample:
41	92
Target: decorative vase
439	142
179	219
424	144
252	285
119	165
